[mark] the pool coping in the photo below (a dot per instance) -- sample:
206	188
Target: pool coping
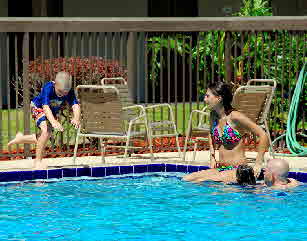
104	171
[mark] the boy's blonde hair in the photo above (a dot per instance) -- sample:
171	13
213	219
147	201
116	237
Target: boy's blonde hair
64	79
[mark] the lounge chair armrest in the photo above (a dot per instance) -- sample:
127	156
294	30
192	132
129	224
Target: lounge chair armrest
138	118
200	112
158	106
204	109
270	82
131	107
120	79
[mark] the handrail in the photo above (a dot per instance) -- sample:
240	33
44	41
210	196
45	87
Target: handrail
43	24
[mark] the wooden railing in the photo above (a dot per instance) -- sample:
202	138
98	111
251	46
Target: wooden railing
164	59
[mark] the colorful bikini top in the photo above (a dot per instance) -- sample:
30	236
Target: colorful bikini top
229	136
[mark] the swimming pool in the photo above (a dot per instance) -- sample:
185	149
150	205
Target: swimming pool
150	206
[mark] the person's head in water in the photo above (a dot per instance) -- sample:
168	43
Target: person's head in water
219	94
245	175
63	83
276	172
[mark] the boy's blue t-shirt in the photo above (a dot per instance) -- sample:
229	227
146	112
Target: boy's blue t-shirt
49	97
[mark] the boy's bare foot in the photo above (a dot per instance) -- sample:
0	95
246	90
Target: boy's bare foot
23	139
16	140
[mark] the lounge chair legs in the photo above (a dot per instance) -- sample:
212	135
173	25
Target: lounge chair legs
152	158
178	147
194	151
127	146
103	150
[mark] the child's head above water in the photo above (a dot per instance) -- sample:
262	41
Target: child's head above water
245	175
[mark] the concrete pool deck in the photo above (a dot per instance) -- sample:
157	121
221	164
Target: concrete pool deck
297	164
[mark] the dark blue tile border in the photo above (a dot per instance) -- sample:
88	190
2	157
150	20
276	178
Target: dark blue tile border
9	176
302	177
200	168
55	173
182	168
292	175
156	168
27	175
83	172
125	170
69	172
98	172
40	174
193	169
112	170
171	168
140	168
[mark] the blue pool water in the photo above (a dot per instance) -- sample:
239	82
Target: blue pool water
159	206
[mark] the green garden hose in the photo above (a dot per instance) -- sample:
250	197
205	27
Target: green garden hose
293	145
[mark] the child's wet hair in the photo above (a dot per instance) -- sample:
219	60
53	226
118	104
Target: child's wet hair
245	175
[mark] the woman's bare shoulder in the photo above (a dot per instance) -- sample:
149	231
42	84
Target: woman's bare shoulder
236	115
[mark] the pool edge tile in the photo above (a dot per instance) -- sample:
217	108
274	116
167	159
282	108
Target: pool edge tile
55	173
125	169
113	170
170	167
156	168
140	168
182	168
39	174
69	172
98	171
83	172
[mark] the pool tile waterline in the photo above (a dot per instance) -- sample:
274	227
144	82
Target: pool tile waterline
110	171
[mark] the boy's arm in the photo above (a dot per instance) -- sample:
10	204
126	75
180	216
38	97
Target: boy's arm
76	115
73	102
76	111
54	123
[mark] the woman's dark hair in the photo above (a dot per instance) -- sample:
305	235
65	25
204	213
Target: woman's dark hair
223	90
245	175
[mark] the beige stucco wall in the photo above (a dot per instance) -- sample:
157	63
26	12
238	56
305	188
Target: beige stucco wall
218	8
105	8
283	8
3	59
3	8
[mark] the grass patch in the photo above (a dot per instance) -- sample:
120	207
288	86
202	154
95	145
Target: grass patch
12	121
181	114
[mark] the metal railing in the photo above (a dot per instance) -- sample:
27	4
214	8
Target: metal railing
164	59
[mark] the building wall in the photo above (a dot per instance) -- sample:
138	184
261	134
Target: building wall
283	8
220	8
105	8
3	62
3	8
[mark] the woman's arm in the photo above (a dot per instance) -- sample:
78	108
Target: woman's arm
212	152
243	121
211	144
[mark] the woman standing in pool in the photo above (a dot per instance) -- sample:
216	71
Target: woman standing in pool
227	129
